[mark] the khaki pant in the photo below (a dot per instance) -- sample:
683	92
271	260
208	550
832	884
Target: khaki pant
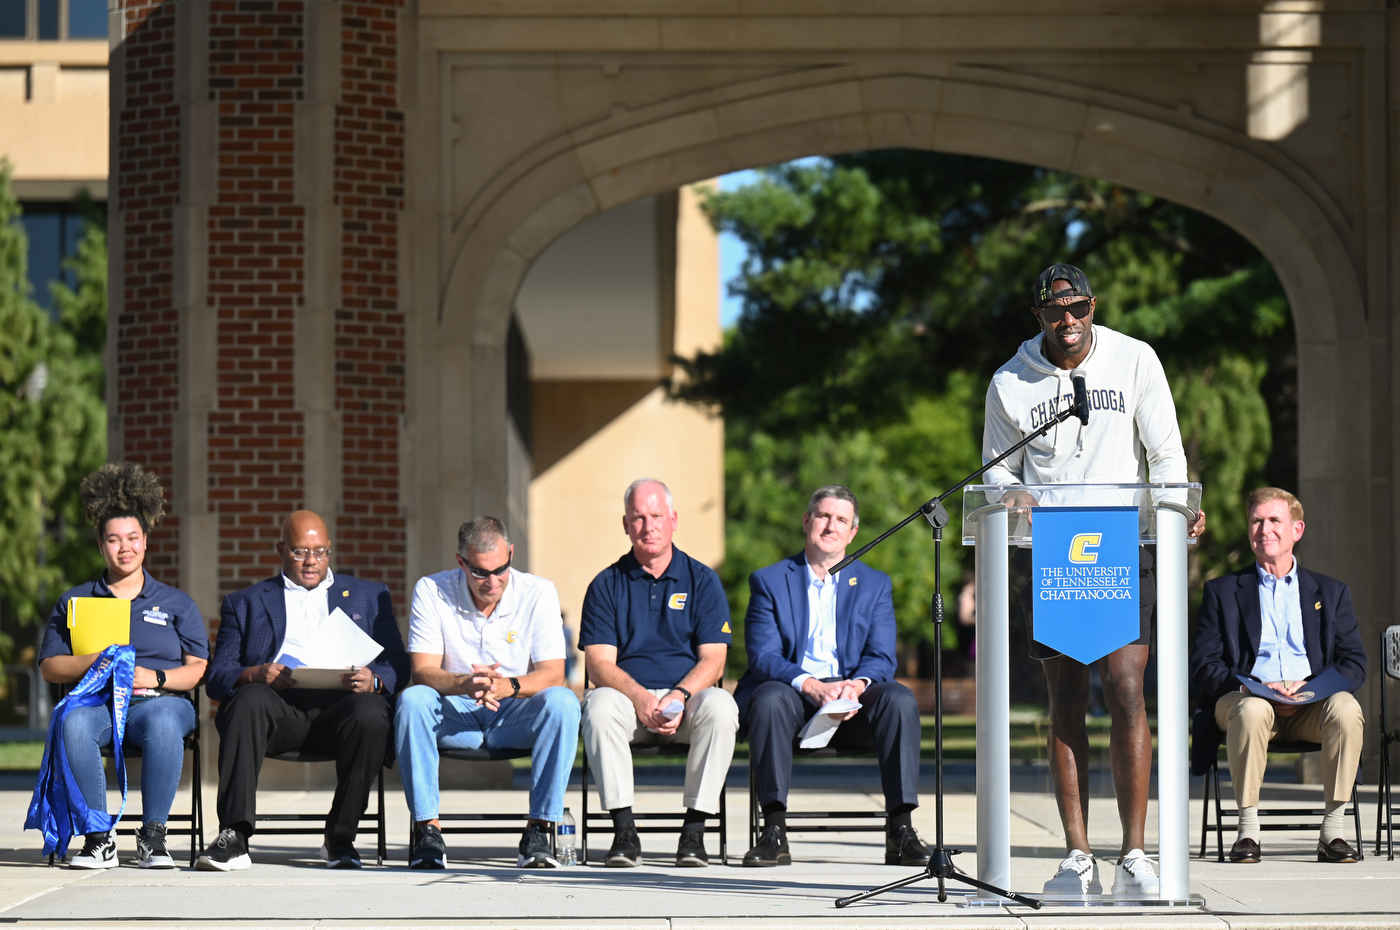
1250	723
709	726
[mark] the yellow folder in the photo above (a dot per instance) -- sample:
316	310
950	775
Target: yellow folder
94	623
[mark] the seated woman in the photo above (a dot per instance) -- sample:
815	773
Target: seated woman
171	646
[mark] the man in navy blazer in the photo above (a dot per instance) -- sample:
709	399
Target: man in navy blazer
1283	626
813	638
262	712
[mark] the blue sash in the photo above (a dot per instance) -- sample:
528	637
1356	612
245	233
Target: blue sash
58	808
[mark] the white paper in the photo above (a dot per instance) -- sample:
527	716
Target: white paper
822	727
338	644
672	709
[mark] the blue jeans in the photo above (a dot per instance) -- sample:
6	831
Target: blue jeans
157	725
546	723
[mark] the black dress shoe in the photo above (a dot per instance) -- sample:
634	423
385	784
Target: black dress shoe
771	849
903	847
625	851
1245	850
1339	850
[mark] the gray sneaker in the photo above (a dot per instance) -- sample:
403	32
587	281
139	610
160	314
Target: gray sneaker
151	852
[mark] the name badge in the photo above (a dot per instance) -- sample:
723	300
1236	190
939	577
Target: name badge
155	615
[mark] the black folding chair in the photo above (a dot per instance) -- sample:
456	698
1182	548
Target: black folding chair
195	818
1390	733
817	821
270	823
1212	776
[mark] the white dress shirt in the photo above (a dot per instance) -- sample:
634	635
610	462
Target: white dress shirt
819	656
307	609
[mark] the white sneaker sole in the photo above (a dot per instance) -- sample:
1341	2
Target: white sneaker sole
92	864
156	862
236	864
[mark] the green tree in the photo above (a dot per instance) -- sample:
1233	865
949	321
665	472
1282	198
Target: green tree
882	289
53	428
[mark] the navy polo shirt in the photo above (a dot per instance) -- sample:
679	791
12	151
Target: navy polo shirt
165	624
657	624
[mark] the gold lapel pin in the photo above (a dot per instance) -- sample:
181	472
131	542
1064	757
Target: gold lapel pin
852	582
345	593
1317	606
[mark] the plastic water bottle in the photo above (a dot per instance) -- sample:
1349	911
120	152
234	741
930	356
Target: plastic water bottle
566	840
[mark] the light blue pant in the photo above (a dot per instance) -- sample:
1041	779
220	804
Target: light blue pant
158	725
546	722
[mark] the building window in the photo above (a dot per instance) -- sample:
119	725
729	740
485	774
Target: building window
51	20
53	230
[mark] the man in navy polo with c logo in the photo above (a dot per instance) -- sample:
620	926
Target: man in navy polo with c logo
655	634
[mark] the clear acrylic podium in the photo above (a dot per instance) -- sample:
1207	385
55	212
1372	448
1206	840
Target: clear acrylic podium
996	517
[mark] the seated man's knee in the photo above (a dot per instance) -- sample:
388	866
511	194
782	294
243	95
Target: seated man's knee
1252	713
717	709
1343	712
369	712
417	701
772	700
899	699
560	703
607	709
250	698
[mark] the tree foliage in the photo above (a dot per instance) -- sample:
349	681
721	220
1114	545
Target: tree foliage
882	289
54	426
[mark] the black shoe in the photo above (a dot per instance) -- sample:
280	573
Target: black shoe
151	852
340	854
427	850
536	851
228	853
690	851
99	852
626	849
903	847
1339	850
1245	850
771	849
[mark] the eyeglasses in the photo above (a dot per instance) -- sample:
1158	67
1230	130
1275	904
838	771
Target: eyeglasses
481	574
1055	312
302	554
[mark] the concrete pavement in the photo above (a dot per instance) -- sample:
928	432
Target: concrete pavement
288	888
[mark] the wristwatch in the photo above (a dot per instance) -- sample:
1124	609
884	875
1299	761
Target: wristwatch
160	678
515	687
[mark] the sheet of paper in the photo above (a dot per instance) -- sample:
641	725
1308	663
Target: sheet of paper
94	623
822	727
1314	689
672	708
337	643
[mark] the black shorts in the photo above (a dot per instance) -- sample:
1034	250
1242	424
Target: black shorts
1019	583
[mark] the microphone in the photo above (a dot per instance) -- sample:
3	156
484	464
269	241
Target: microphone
1081	397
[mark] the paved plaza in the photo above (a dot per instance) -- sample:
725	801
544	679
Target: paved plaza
289	889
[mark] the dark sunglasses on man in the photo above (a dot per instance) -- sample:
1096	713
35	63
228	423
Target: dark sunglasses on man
1055	312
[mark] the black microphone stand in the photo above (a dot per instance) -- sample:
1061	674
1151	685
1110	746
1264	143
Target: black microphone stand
940	862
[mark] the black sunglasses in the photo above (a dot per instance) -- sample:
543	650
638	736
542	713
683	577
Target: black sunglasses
1054	313
481	574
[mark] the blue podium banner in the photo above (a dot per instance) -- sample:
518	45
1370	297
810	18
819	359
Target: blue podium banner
1084	579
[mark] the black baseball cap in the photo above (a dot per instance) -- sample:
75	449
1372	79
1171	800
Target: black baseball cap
1044	285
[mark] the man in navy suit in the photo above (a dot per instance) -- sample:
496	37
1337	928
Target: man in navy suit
261	711
813	638
1282	625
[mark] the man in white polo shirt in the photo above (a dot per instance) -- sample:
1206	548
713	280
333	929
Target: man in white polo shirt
487	649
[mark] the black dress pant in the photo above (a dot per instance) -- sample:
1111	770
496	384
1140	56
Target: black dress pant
888	722
259	721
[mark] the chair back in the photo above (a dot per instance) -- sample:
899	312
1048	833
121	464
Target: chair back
1390	651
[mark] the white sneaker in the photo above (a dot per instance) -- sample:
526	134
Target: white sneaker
99	852
1135	877
1077	876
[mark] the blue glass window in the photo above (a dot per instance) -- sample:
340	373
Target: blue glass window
12	20
48	19
53	230
87	19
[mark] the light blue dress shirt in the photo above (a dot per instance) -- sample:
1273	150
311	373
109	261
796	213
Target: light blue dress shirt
1283	656
819	658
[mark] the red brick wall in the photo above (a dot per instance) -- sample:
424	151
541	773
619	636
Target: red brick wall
256	267
145	188
256	59
369	329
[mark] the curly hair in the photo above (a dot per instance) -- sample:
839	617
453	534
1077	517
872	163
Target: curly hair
125	490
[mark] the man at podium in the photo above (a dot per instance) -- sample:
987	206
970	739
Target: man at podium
1130	436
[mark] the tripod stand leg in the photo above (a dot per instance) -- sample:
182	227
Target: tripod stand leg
898	883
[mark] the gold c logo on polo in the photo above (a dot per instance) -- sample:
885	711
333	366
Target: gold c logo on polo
1081	548
510	637
677	601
